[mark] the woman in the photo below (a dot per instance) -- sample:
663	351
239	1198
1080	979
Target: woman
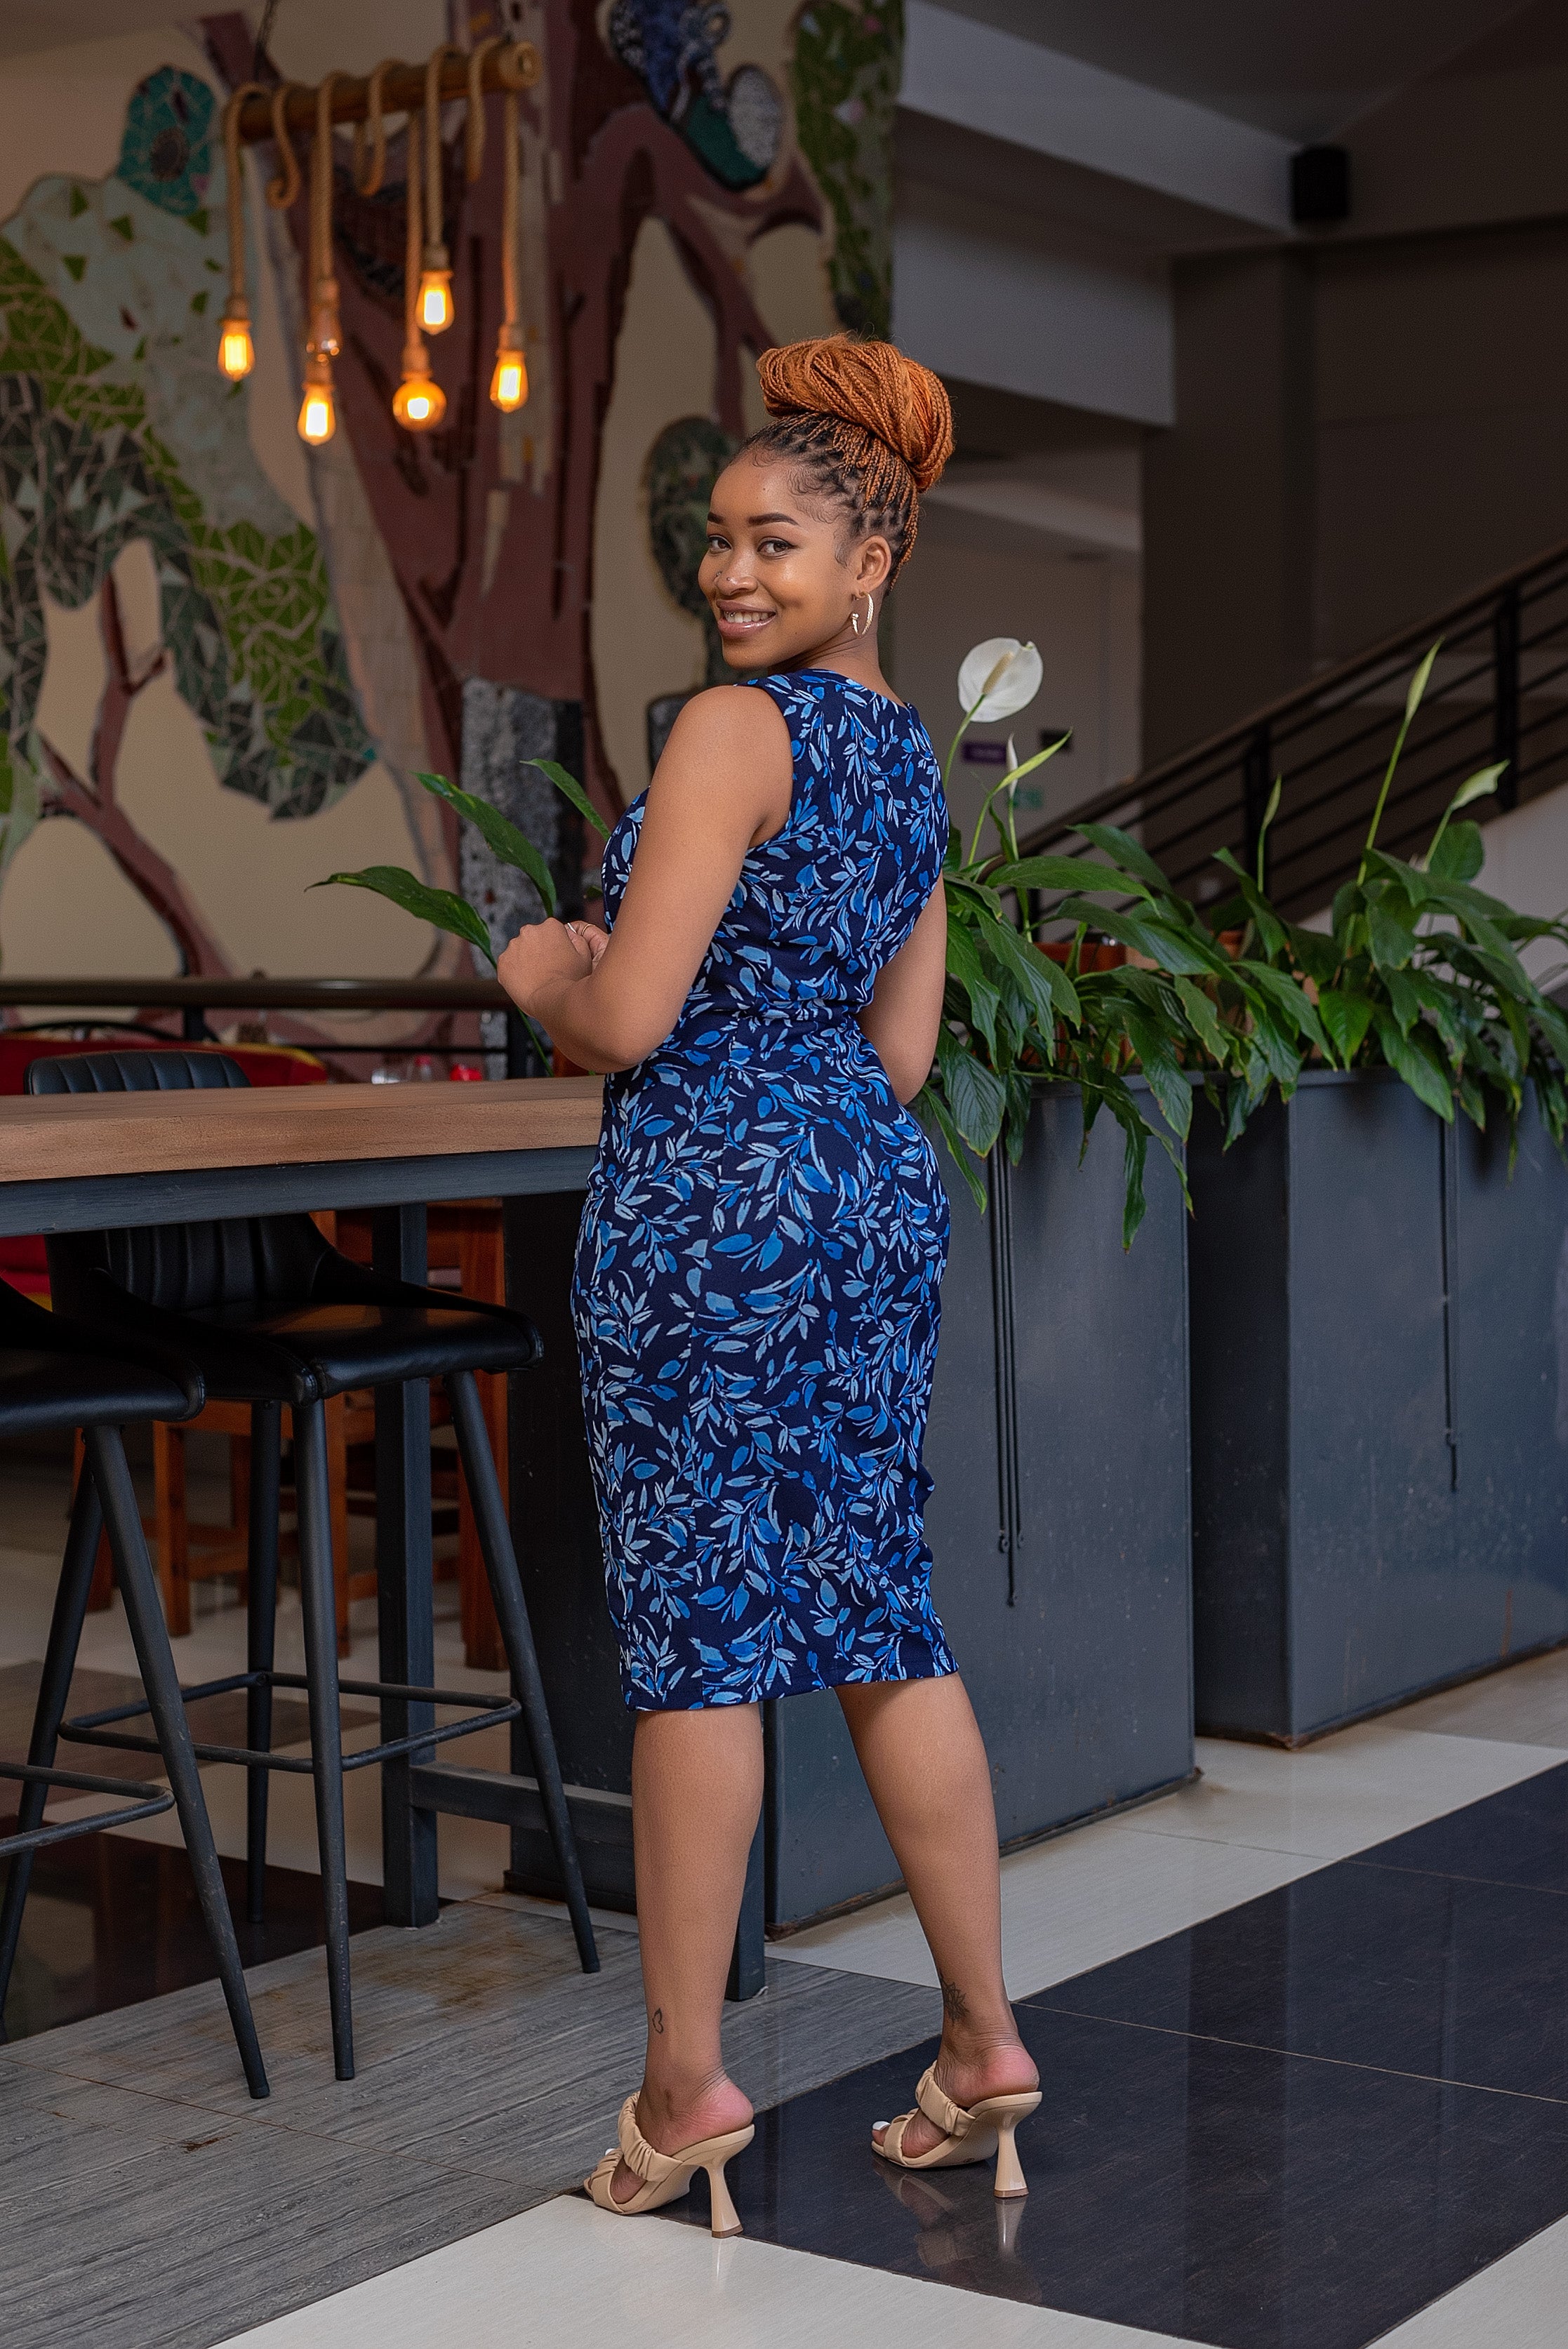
762	1248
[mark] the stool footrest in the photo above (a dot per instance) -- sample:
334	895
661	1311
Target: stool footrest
147	1801
91	1728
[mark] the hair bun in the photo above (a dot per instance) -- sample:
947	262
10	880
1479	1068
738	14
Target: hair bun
870	384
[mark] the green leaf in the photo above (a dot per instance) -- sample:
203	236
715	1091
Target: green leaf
1043	984
1347	1018
1314	952
1124	850
976	1096
1270	929
441	907
569	787
1458	855
1413	1058
1174	949
964	965
503	838
1205	1020
930	1099
1391	929
1167	1080
1404	1002
1058	872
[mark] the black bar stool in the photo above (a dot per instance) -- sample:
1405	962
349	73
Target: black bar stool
274	1315
54	1374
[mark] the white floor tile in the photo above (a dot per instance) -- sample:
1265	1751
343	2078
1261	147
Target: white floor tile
1076	1902
1527	1704
575	2278
1258	1819
1352	1790
1519	2302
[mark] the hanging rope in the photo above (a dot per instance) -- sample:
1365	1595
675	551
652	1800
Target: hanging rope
283	191
369	183
324	337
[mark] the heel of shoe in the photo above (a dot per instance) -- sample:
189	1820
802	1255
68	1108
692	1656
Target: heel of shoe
726	2218
1005	2115
1009	2178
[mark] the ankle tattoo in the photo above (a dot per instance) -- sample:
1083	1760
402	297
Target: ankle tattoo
955	2006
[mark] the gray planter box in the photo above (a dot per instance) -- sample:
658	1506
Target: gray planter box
1059	1443
1379	1479
1059	1525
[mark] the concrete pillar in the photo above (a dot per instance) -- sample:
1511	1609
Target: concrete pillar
1228	500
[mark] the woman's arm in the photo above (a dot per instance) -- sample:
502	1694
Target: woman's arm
722	786
901	1020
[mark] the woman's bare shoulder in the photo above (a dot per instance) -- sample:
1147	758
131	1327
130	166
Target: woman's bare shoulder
722	725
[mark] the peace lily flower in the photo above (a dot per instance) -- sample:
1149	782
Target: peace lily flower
996	680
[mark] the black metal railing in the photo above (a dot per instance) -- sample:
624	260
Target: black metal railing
196	999
1499	690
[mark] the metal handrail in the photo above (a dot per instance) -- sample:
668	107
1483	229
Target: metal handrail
194	997
1499	694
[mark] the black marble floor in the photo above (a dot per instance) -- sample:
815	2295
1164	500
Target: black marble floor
113	1919
1290	2127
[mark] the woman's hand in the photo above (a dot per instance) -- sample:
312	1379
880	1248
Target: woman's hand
544	954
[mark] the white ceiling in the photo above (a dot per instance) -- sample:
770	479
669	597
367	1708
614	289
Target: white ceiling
1301	68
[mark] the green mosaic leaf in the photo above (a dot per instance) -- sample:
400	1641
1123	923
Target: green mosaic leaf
79	202
77	264
198	220
199	301
124	226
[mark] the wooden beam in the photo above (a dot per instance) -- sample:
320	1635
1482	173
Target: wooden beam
516	66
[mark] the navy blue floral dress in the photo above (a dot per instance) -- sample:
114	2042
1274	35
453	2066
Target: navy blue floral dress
764	1236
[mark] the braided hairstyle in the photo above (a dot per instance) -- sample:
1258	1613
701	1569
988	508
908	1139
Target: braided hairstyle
865	430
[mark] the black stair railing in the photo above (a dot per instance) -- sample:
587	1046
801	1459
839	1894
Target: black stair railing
1499	690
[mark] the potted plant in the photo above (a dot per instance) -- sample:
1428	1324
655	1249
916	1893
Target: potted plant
1379	1482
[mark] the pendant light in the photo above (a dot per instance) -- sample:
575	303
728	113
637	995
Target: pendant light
236	351
318	410
435	312
419	403
509	381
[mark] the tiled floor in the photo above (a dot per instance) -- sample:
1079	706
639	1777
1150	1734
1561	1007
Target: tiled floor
1302	2027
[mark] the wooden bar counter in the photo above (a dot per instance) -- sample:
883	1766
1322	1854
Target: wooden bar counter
88	1161
74	1162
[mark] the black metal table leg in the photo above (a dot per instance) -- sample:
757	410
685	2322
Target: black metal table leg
500	1566
404	1589
747	1973
261	1632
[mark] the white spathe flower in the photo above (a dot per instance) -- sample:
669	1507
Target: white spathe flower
997	679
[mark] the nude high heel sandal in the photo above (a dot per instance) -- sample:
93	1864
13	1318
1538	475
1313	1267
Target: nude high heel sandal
666	2176
969	2135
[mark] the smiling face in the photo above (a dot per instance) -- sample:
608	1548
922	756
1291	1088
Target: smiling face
783	572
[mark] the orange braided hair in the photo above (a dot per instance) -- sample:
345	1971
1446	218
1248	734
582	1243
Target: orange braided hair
869	428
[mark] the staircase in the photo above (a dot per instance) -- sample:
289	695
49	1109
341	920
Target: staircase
1499	690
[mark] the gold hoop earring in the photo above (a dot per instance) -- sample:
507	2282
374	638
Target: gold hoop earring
870	613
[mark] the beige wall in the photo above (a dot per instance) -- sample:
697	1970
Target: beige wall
967	581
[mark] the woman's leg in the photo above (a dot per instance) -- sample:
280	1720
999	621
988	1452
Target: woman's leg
920	1745
696	1792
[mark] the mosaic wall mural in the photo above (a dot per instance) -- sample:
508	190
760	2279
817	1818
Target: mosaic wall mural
753	139
115	426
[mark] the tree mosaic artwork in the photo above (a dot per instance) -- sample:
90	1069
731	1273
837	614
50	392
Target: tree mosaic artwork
115	426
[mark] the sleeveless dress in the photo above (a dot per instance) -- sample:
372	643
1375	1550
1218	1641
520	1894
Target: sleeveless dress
761	1247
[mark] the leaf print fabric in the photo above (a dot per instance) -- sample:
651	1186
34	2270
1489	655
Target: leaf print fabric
761	1255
